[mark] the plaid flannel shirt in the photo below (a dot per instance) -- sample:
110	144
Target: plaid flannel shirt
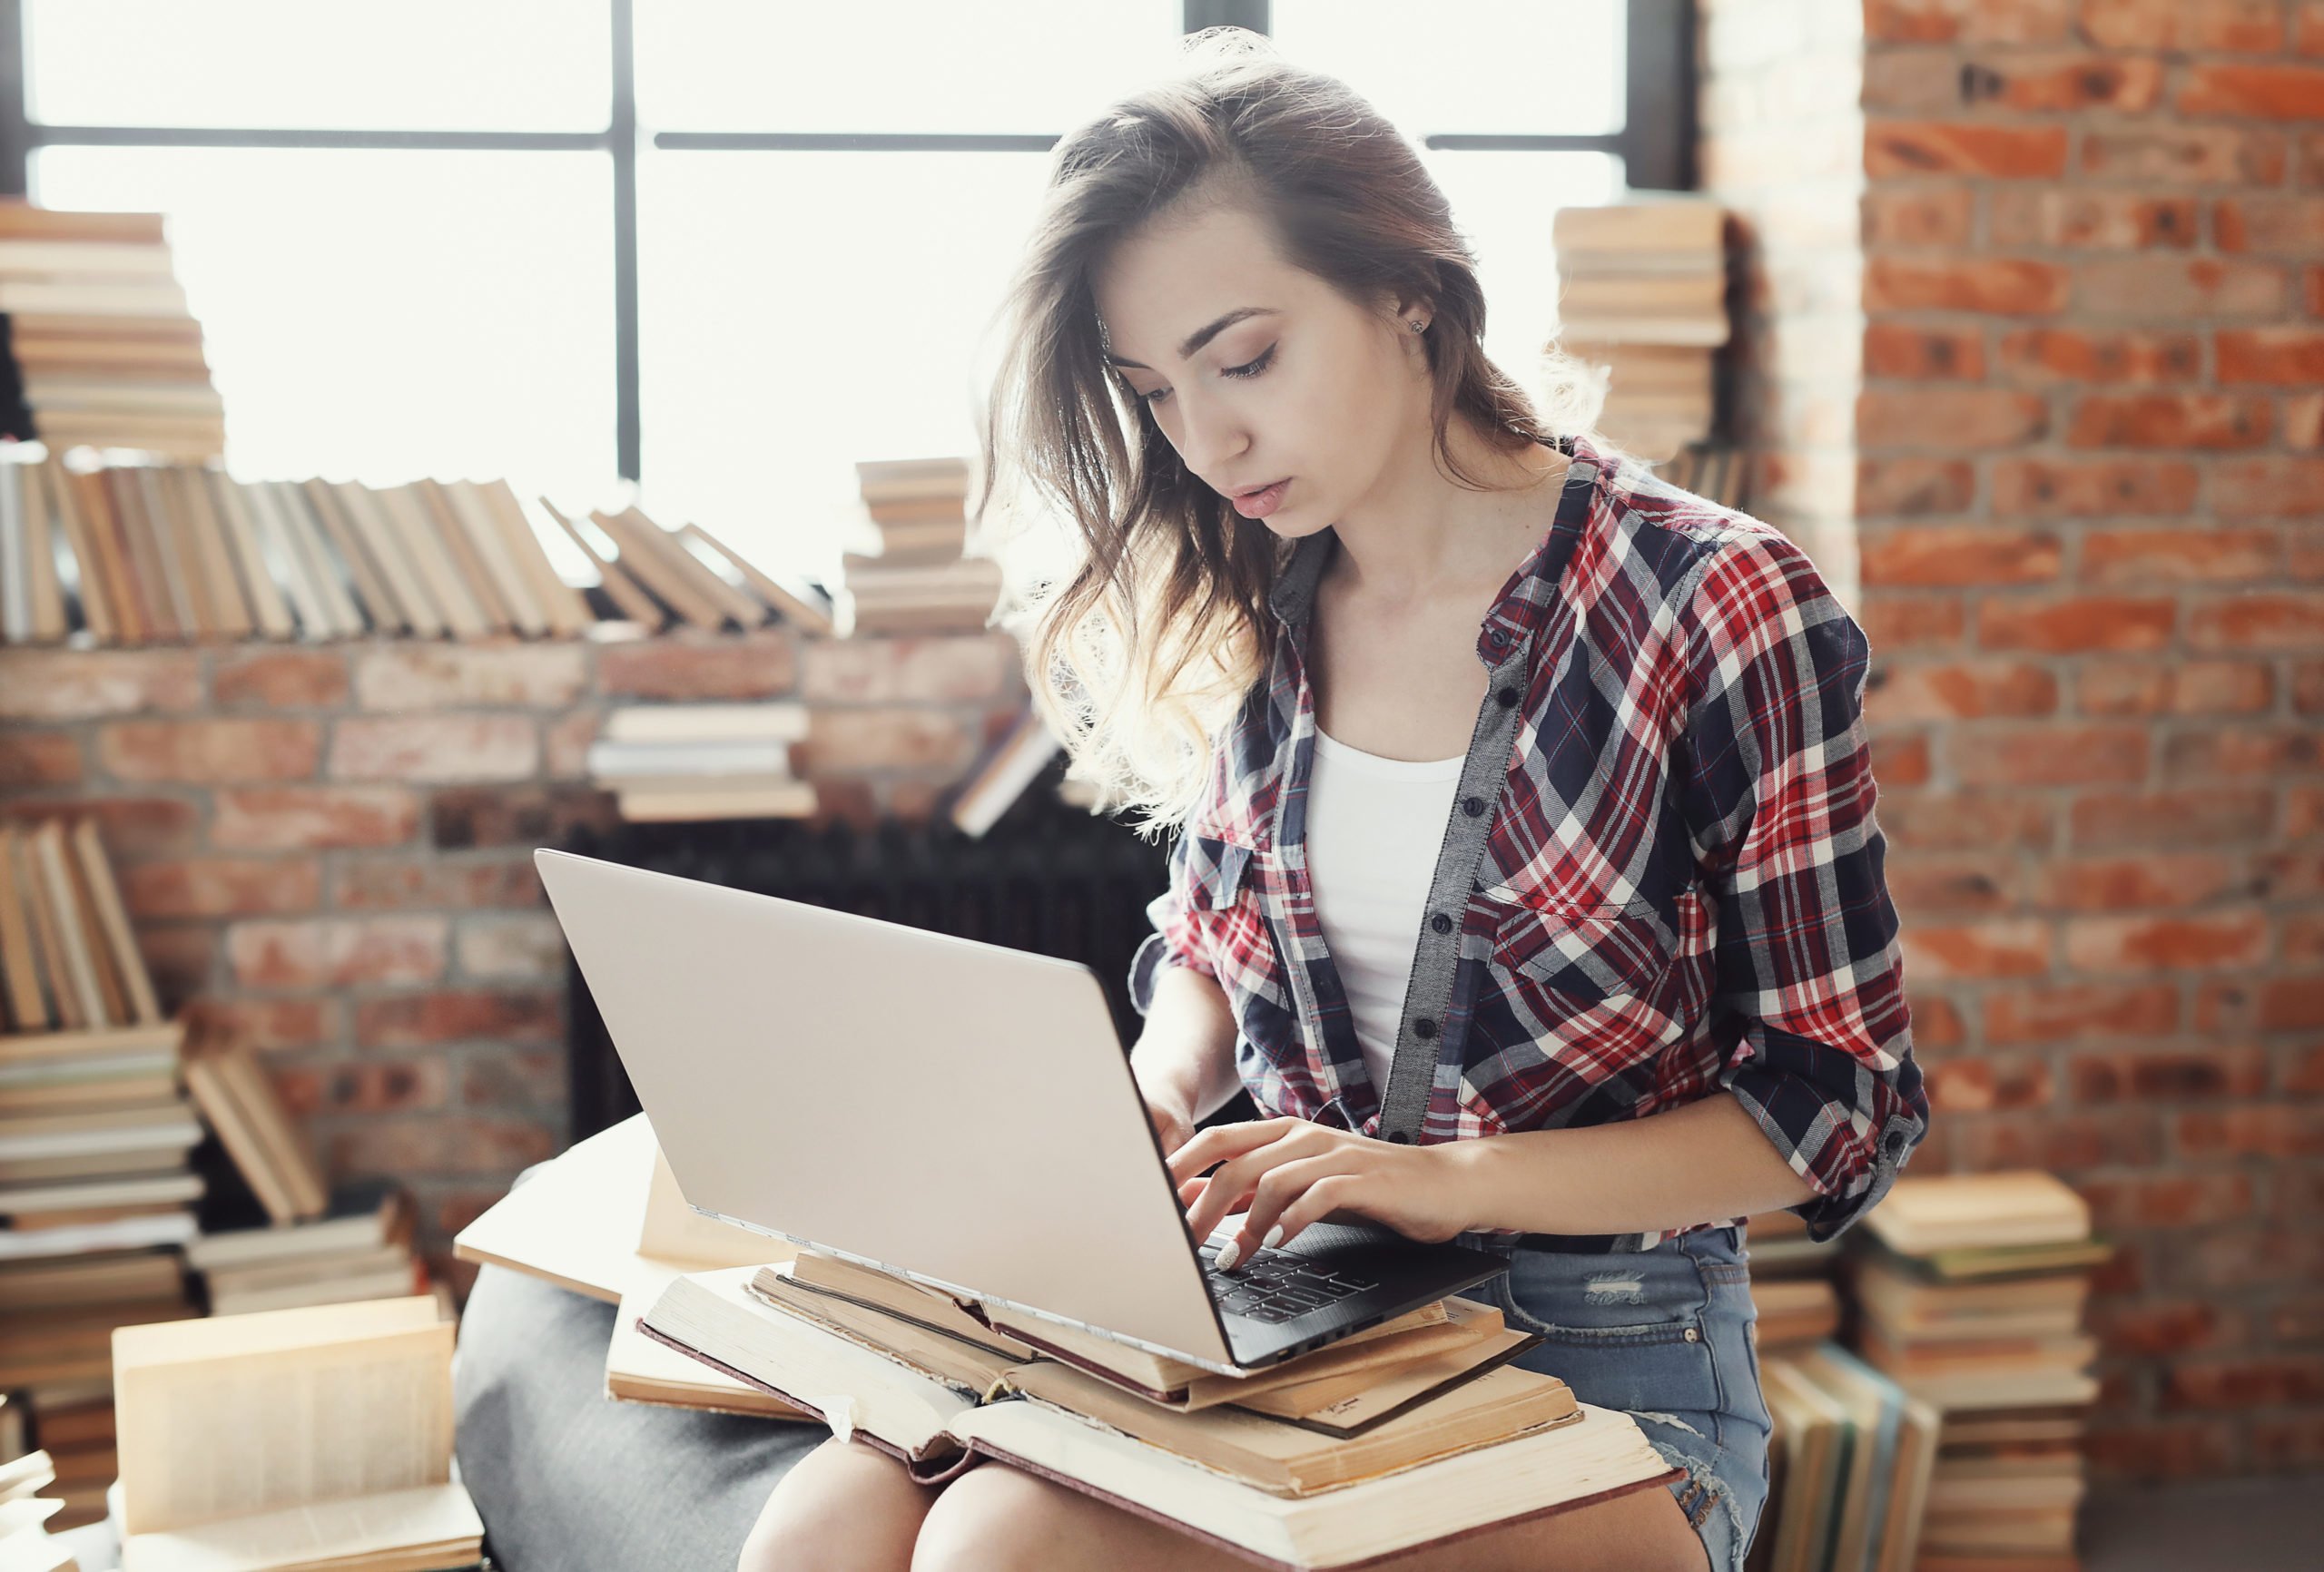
1673	880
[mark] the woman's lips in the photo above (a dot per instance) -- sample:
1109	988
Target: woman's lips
1259	504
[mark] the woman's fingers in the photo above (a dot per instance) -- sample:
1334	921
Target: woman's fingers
1221	1141
1282	1186
1332	1193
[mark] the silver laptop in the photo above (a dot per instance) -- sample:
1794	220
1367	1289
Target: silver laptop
957	1113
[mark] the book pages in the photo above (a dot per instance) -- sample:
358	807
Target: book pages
421	1527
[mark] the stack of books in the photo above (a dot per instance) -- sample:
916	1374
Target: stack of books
26	1511
1973	1300
1792	1285
105	351
340	1425
1642	289
905	571
1848	1466
361	1247
716	761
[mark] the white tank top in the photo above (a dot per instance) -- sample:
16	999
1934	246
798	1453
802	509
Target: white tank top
1374	827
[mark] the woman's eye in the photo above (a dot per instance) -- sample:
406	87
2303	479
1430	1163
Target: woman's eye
1250	368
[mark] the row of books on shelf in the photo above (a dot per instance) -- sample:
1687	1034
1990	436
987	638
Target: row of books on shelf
1642	295
101	348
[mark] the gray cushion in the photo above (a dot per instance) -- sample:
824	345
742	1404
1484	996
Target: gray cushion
569	1481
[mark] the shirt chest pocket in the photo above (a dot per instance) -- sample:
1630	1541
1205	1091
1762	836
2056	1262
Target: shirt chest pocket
1216	870
1590	954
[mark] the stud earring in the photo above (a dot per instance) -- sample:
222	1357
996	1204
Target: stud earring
1419	327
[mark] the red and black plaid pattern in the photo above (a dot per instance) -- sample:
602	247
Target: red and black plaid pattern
1681	890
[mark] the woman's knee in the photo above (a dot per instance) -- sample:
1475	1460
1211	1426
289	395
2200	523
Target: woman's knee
990	1519
842	1507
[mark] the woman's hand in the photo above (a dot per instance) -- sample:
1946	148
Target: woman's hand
1292	1172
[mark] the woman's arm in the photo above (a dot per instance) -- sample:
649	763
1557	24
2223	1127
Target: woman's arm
1183	1059
1705	1161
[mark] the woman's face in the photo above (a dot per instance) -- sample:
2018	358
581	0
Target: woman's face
1298	386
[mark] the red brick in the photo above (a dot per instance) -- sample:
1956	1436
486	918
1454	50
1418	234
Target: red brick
2087	487
1967	21
446	1144
415	674
2050	355
1961	690
2288	876
2307	687
2061	80
1982	1084
2244	751
280	679
2307	27
2187	154
1900	760
1913	486
64	685
2060	1012
503	946
2252	1256
2278	223
2086	220
2290	1004
336	952
2062	1143
269	1025
1954	821
843	741
214	748
1957	554
2168	1201
401	883
2188	943
2129	558
1917	216
1997	286
369	1086
297	818
2283	1445
1953	418
2174	288
1923	354
2268	486
1895	148
464	818
2155	879
2287	622
506	1077
221	887
39	759
2179	1327
1976	883
2304	812
2180	1450
2303	938
2270	1130
1892	622
2260	92
2050	754
2076	625
2312	290
2207	816
436	748
2283	356
906	671
696	665
2001	949
2166	420
2173	1076
2236	26
451	1015
2304	421
2179	688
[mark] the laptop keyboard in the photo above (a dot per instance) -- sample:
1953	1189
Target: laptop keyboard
1276	1286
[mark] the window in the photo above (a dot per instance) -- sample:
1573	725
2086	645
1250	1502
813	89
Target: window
722	248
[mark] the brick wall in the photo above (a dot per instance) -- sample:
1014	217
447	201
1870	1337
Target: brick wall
331	845
2089	472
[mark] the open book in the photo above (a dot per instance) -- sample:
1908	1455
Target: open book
1506	1445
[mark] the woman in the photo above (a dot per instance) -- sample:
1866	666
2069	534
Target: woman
1528	878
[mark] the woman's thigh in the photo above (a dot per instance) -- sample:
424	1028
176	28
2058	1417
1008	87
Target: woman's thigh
842	1507
997	1518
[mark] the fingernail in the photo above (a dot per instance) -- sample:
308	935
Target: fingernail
1230	1255
1274	1238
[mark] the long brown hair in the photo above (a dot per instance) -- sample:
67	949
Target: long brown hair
1156	626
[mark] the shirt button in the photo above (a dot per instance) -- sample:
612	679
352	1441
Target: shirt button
1507	698
1424	1027
1400	1139
1498	637
1441	923
1472	806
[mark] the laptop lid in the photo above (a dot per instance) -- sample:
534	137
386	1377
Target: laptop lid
958	1112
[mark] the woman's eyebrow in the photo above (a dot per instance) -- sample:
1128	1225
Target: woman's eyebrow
1201	336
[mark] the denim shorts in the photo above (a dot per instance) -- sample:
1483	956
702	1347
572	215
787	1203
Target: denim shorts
1666	1335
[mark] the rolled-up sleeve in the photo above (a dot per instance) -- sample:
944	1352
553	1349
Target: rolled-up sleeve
1178	937
1779	796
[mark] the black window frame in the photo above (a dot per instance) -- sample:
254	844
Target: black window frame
1656	142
